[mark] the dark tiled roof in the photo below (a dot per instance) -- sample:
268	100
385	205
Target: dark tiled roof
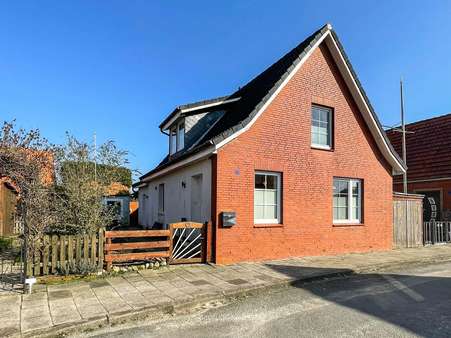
191	105
254	95
428	148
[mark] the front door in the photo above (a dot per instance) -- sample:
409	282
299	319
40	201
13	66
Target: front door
196	198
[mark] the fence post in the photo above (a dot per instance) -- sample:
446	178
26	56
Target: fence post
93	248
45	256
171	244
54	252
101	248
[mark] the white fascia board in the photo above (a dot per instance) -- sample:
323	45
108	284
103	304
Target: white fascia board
208	105
273	96
352	84
189	160
168	124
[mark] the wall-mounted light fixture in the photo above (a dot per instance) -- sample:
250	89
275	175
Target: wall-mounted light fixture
183	185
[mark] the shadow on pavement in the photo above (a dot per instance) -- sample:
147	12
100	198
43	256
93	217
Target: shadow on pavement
420	304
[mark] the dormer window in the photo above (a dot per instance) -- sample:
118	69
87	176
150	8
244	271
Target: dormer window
173	140
177	138
181	136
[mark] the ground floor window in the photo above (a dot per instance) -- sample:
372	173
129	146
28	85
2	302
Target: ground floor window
267	197
347	200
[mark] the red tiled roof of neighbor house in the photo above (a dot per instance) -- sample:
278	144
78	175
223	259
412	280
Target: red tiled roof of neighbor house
428	148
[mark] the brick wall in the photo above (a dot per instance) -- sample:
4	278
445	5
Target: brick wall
280	141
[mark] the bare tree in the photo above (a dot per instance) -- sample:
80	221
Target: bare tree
26	159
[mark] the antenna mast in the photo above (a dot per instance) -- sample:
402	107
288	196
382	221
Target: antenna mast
403	130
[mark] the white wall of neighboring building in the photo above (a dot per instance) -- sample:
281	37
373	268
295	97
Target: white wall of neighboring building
177	196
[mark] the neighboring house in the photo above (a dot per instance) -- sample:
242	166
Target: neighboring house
428	145
118	198
298	154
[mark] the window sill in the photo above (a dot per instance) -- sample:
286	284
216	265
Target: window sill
324	148
268	225
348	224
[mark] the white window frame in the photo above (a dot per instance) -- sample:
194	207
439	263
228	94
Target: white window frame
329	127
350	219
279	199
172	146
180	136
176	138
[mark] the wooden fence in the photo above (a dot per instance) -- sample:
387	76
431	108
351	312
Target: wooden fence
57	253
407	220
159	245
184	242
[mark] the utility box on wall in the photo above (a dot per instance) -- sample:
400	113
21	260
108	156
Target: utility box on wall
228	219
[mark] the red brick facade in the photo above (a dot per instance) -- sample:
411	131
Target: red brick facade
280	141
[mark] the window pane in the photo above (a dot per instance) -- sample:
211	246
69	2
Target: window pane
270	197
342	213
315	114
323	139
342	201
259	197
259	181
270	212
259	212
173	141
181	137
271	182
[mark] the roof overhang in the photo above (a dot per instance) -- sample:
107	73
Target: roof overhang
177	165
359	96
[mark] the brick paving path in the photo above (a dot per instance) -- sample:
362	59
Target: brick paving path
69	304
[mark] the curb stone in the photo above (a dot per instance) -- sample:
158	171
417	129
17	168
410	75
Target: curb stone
159	311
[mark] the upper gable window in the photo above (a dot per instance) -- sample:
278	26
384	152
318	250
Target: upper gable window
177	138
321	127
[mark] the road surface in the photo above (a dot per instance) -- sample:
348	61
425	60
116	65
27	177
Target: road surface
413	302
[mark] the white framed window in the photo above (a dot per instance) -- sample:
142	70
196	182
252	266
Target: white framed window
173	140
181	136
321	127
267	197
347	200
177	138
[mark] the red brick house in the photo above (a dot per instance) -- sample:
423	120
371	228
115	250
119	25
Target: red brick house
297	155
429	161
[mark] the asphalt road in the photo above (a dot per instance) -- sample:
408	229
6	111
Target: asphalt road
413	302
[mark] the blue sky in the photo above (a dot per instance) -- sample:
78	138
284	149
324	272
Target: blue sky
118	68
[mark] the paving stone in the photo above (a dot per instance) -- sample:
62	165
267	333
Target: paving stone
91	311
35	323
237	281
60	294
98	283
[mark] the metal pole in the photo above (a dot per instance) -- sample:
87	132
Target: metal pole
95	157
403	127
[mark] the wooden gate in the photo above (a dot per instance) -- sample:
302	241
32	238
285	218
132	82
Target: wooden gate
407	220
189	242
139	245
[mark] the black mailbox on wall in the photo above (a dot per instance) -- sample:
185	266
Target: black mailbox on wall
228	219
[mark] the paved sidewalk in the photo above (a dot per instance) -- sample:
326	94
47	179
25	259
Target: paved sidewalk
60	308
